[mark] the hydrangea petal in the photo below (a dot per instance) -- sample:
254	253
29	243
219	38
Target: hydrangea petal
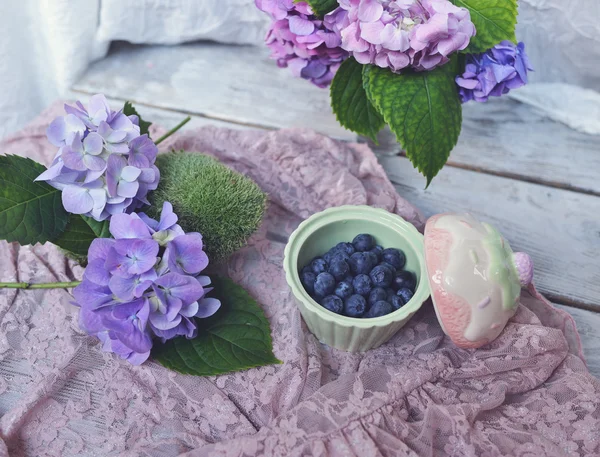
77	200
93	144
161	322
96	273
369	10
128	226
208	307
185	254
127	189
301	26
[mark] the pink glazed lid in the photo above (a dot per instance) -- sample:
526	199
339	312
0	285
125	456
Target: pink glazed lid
475	277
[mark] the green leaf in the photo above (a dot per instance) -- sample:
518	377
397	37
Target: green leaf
30	212
350	103
494	20
422	109
128	110
321	7
79	234
236	338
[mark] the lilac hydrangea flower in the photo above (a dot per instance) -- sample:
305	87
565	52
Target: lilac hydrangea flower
399	34
144	284
299	40
103	166
494	72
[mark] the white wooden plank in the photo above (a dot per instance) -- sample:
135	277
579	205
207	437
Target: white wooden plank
508	138
163	117
588	326
242	85
229	83
560	229
588	322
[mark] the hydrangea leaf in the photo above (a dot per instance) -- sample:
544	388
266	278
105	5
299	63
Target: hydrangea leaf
422	109
236	338
321	7
30	212
129	110
350	103
79	234
494	20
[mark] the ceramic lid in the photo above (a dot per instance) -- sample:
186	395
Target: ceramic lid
475	277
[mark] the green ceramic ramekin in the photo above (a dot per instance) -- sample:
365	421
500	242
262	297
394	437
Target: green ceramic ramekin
323	230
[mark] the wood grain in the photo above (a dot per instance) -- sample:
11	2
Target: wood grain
588	322
560	229
588	326
228	83
243	86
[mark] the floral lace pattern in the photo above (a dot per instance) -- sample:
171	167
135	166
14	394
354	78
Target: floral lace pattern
526	394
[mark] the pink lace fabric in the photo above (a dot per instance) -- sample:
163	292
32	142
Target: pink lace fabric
526	394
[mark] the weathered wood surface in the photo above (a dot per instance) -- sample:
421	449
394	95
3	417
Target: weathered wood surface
243	86
588	325
560	229
511	166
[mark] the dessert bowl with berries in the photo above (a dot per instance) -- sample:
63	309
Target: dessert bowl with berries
358	275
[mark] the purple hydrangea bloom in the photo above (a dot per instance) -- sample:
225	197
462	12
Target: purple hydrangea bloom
494	72
299	40
399	34
103	165
144	284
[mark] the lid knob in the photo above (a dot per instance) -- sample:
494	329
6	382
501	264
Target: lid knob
524	266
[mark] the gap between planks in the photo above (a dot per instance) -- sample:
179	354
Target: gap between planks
407	179
239	84
450	163
176	111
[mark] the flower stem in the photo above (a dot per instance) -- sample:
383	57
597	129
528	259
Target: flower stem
47	285
173	130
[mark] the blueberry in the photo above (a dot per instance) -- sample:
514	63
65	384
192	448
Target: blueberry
395	257
363	242
373	257
381	308
308	278
348	248
389	265
377	294
339	269
362	284
335	254
390	293
324	285
360	263
344	290
328	255
333	303
348	279
318	265
396	302
340	255
307	268
377	250
355	306
405	279
381	276
405	294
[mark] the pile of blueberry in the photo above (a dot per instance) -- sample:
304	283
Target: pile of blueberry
359	279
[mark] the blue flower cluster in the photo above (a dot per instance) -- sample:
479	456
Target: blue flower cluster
359	279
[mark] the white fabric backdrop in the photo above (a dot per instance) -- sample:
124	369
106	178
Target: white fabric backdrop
45	45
